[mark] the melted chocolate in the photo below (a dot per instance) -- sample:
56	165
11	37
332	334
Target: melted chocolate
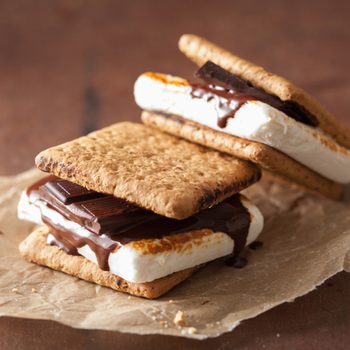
241	91
222	98
70	242
237	262
113	222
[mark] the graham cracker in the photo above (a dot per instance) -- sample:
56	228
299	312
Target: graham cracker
156	171
200	50
265	156
35	249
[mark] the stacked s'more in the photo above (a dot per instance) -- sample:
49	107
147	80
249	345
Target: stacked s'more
243	110
137	210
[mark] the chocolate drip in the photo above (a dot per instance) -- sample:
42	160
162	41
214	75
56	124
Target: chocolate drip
222	98
236	261
256	245
70	243
113	222
241	91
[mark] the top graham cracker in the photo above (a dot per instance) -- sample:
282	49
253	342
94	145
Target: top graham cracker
156	171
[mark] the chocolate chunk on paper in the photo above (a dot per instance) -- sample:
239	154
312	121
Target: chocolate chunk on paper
306	240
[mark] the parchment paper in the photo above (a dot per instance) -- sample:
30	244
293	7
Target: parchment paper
306	240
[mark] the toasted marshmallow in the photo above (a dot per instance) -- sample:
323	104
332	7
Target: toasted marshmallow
147	260
254	120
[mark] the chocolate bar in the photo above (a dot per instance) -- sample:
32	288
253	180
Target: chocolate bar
98	212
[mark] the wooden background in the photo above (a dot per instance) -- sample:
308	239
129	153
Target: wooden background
68	67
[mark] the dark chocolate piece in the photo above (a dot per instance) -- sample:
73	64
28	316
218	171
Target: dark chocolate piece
68	192
95	211
240	90
114	222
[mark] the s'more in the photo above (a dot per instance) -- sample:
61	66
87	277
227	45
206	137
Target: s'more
241	109
137	210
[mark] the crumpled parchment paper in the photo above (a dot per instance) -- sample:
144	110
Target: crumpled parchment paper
306	240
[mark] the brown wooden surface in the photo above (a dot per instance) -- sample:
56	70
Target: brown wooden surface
67	67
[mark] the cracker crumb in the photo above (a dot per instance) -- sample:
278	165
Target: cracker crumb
179	318
34	290
129	297
14	290
170	301
153	318
189	330
192	330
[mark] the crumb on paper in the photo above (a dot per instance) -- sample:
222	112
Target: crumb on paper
164	323
179	318
34	290
189	330
129	297
170	301
14	290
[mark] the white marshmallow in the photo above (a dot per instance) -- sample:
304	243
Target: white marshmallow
255	120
